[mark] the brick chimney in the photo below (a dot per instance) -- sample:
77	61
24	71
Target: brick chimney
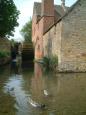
47	12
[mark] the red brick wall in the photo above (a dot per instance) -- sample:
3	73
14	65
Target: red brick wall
48	22
37	38
47	13
47	7
39	28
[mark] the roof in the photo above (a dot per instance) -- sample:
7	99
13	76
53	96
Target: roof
65	14
59	9
37	9
69	10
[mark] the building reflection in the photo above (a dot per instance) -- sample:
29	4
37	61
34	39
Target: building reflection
44	87
15	68
37	84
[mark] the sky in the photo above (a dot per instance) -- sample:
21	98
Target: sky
26	9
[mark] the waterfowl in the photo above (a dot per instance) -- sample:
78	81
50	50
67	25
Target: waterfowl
46	93
37	105
11	89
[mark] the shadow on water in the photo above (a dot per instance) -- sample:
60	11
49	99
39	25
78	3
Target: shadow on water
28	91
27	64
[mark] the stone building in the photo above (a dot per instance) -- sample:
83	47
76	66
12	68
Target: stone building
63	34
45	15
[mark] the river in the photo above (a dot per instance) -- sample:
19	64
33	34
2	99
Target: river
33	91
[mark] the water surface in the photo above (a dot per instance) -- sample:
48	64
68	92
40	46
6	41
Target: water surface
23	91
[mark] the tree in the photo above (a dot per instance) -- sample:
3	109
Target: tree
26	31
8	18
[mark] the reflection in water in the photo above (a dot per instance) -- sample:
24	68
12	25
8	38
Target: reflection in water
15	68
27	92
37	83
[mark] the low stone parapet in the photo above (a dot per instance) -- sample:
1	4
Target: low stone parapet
71	66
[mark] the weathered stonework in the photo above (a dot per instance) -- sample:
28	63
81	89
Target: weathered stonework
73	39
66	39
45	14
5	47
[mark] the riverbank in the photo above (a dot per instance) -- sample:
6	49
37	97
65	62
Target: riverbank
4	61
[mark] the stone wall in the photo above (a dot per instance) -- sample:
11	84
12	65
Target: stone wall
73	41
52	41
67	40
5	47
57	41
47	42
40	26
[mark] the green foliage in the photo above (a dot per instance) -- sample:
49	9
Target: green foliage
4	54
51	63
46	62
26	31
8	18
